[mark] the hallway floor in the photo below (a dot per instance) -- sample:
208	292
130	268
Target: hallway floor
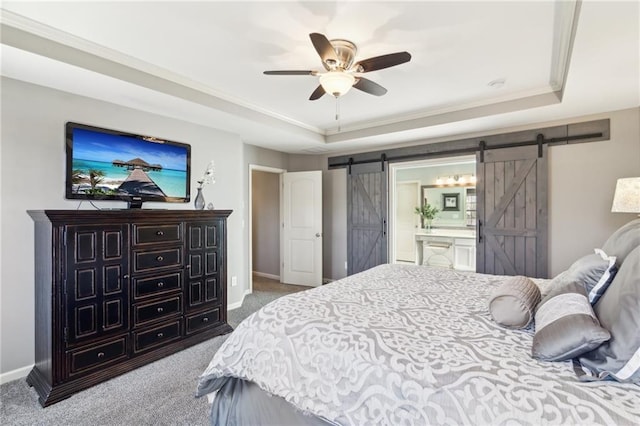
267	284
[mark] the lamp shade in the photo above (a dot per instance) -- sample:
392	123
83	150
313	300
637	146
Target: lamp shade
337	83
627	196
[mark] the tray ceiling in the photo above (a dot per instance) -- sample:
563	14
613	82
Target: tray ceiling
203	62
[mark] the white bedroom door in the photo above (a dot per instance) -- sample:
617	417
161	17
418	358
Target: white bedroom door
302	228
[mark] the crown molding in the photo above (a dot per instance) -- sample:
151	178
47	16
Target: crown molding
565	26
567	14
534	101
35	37
32	36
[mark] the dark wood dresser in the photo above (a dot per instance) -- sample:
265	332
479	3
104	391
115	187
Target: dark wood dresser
117	289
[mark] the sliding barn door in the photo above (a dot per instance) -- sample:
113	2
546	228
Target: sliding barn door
366	217
512	211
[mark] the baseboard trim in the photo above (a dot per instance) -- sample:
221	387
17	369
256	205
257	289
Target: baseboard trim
16	374
236	305
265	275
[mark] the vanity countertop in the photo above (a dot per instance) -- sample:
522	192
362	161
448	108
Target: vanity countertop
443	232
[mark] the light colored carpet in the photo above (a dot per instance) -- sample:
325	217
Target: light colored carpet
160	393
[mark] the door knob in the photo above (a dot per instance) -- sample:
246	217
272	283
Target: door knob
318	234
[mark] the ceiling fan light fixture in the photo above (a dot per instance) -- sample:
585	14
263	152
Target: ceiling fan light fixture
338	57
337	83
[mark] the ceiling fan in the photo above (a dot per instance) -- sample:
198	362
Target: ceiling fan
341	73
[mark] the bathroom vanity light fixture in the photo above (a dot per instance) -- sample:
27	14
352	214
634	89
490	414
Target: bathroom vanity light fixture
456	180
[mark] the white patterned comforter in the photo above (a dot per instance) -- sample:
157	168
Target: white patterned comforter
405	344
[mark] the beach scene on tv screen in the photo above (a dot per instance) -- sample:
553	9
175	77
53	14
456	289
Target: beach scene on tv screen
106	164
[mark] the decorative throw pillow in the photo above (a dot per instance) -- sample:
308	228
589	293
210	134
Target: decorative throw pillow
596	290
566	325
594	271
623	241
513	303
618	311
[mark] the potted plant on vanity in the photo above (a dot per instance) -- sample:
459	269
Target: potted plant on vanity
427	213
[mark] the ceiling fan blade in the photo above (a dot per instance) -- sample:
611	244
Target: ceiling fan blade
370	87
317	94
324	48
290	72
381	62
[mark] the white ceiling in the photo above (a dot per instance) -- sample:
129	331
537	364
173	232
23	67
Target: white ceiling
202	62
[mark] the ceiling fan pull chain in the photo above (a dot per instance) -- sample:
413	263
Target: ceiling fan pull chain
338	112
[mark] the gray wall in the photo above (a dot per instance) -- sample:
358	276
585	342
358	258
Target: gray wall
582	180
264	157
257	156
265	229
32	178
334	213
334	201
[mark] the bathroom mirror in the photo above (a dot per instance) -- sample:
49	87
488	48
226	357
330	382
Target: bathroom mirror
456	204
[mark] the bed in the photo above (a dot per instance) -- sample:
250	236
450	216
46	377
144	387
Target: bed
408	344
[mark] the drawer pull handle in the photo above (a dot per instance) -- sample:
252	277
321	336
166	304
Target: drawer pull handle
159	258
100	354
160	284
205	319
160	334
160	233
160	309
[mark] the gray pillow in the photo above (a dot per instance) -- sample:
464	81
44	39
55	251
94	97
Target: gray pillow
619	312
623	241
513	303
594	271
566	325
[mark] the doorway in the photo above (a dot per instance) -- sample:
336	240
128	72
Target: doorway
285	226
264	223
435	181
407	196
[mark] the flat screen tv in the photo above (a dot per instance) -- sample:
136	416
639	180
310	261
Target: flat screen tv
111	165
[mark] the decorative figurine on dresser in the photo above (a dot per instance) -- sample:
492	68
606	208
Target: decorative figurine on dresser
115	290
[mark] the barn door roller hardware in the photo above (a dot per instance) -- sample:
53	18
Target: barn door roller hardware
540	140
483	146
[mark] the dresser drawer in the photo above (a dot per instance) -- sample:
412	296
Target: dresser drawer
153	311
153	234
97	356
156	285
156	336
157	259
208	319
